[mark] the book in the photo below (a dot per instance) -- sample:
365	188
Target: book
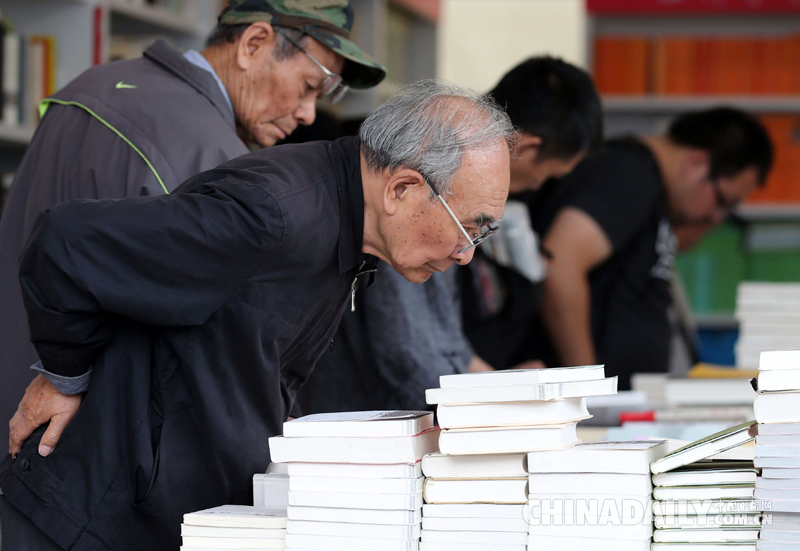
782	359
777	380
232	543
636	531
707	477
620	65
507	440
703	448
319	513
688	535
634	506
703	547
437	465
791	440
356	470
721	506
485	538
356	485
781	535
783	505
340	543
776	473
355	529
270	490
711	520
521	393
473	524
572	543
512	413
242	516
472	510
590	483
689	493
10	79
779	484
521	377
493	490
777	451
632	457
708	392
777	407
779	494
392	449
777	462
779	428
438	546
360	424
232	532
406	502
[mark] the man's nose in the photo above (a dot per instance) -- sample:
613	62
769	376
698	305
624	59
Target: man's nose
463	258
307	112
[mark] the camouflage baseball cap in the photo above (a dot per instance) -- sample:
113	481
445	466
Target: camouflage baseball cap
328	21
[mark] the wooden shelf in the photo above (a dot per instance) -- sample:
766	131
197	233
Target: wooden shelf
142	19
651	105
769	212
16	137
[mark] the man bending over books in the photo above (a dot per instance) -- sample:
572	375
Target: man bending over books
194	317
402	337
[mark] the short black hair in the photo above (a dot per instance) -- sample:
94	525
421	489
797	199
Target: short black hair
556	101
734	139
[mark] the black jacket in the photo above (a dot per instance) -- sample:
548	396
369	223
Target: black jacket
200	314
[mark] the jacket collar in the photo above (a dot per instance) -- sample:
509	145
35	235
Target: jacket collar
172	60
346	160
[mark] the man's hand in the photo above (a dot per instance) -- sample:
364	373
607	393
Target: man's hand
42	403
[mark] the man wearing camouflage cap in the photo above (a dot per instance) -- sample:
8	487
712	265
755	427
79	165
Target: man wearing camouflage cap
141	127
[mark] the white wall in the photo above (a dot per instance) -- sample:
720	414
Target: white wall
479	40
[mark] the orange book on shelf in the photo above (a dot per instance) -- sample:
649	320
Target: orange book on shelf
620	65
673	66
766	71
48	48
783	183
705	53
737	66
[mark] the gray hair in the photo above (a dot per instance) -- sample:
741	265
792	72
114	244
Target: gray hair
428	126
283	49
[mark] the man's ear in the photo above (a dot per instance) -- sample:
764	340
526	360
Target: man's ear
527	147
402	185
257	40
697	165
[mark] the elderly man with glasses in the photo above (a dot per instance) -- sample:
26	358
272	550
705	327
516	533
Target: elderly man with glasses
142	127
194	317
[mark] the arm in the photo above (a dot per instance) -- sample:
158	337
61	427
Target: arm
578	245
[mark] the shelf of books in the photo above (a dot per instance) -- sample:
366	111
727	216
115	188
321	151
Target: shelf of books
47	43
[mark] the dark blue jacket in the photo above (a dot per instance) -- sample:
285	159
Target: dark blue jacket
200	314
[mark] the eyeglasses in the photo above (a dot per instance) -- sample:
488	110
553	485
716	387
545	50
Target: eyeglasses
333	85
477	238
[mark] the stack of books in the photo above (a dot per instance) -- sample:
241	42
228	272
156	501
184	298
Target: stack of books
769	319
476	489
593	496
355	482
704	495
777	408
234	527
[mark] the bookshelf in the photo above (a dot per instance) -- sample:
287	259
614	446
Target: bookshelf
82	31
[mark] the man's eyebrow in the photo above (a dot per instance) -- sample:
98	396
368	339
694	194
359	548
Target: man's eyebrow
482	219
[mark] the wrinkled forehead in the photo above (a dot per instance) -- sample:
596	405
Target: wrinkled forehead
480	187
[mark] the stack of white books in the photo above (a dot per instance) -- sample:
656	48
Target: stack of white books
355	482
234	527
769	319
593	496
476	489
705	503
777	408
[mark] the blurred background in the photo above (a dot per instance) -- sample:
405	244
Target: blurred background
650	60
